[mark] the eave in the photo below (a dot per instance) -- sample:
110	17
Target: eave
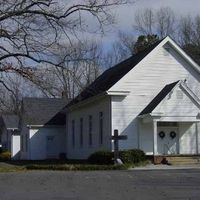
118	93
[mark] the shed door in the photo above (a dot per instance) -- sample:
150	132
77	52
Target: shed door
50	148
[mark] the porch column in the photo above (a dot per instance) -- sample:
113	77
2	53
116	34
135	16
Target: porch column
197	138
155	138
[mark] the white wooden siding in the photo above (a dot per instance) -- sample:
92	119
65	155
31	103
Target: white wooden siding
24	131
146	137
93	109
144	82
176	104
38	142
15	147
187	141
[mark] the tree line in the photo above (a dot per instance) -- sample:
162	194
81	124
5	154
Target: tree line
153	25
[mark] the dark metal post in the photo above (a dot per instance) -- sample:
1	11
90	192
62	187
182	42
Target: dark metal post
116	145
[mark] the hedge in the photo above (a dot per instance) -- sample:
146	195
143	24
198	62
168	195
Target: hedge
82	167
5	156
132	156
101	158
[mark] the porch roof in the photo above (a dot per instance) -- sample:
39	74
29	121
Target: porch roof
182	108
158	98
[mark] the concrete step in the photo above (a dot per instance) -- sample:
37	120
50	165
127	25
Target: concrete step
185	163
183	160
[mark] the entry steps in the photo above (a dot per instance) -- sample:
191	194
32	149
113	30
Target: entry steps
183	160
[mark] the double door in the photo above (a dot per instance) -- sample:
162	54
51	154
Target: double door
168	141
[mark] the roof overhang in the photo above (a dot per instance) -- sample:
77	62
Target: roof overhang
150	117
180	51
118	93
12	129
44	126
190	93
87	101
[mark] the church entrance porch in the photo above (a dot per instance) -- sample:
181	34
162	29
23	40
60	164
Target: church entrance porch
175	139
164	137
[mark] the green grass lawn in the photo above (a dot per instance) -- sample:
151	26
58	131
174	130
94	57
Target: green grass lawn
58	165
5	167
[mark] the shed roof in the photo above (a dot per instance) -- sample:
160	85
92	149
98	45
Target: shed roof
43	111
10	121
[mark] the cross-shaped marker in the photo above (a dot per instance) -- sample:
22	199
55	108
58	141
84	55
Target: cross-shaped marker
116	137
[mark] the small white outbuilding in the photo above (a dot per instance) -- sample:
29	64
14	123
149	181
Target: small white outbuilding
42	129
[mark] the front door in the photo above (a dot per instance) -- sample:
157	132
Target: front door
167	140
50	148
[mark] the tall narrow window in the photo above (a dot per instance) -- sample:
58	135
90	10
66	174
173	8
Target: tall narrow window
22	143
81	132
101	128
73	133
90	130
26	142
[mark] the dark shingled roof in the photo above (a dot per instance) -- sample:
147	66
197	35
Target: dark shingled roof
43	111
112	75
10	120
161	95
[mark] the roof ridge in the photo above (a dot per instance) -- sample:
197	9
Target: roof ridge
110	76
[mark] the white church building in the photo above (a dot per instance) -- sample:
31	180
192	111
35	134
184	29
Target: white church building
152	97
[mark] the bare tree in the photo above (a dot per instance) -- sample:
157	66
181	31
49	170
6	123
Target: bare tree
30	31
144	21
186	32
78	70
161	22
30	28
120	50
18	87
165	22
189	36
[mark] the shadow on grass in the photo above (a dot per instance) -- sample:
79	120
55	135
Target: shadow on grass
45	162
61	165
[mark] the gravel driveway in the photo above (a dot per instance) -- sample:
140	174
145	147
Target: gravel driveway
100	185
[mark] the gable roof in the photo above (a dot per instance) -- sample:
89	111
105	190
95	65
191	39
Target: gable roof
43	111
10	121
158	98
112	75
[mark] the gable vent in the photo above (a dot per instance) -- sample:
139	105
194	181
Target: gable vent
179	94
